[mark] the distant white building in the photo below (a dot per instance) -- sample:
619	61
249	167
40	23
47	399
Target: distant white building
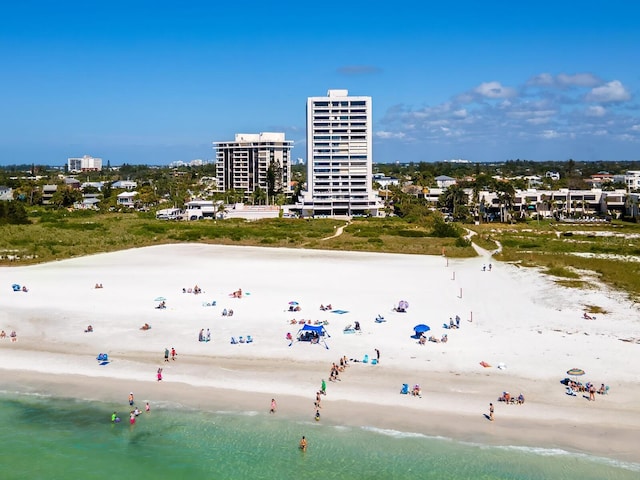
632	179
444	181
125	184
85	163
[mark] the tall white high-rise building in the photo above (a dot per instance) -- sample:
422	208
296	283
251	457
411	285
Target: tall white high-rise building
254	160
85	163
339	156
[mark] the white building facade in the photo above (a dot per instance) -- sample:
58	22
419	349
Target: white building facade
339	156
85	163
248	163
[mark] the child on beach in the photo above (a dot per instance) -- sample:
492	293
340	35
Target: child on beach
131	398
159	374
273	406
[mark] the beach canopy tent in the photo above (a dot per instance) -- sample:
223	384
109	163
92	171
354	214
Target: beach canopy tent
310	332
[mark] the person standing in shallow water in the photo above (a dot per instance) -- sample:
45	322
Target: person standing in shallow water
273	406
303	444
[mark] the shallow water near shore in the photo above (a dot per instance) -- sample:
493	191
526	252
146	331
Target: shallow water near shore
57	438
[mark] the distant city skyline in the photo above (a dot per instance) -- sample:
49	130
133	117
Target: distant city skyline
157	82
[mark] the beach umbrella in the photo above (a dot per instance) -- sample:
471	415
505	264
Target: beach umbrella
575	372
160	299
293	303
421	328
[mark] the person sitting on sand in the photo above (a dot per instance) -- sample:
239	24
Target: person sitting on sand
445	338
433	339
230	313
520	399
586	316
25	289
3	334
322	307
14	336
89	329
416	392
224	312
146	326
422	340
602	390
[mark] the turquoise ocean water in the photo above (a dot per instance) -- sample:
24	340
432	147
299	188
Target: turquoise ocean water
52	438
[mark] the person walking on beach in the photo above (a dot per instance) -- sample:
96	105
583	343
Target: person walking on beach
166	354
131	398
491	412
147	407
173	353
377	355
272	408
323	387
303	444
159	374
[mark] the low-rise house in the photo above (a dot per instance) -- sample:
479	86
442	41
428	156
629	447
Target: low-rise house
126	199
444	181
6	193
125	185
47	193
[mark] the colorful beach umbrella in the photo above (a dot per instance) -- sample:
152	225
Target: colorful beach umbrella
293	303
575	372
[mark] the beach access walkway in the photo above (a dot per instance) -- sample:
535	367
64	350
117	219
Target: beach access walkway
337	233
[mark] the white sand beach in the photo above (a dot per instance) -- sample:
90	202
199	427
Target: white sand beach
511	317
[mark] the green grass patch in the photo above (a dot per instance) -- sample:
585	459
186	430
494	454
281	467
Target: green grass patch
595	309
562	272
573	284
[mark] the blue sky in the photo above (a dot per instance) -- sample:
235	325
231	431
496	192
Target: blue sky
155	82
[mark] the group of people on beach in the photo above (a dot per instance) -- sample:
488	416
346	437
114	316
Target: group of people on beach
13	335
195	290
133	414
204	337
509	399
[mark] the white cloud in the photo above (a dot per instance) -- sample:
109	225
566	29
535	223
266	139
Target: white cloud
462	113
389	135
494	90
549	134
541	79
635	128
596	111
612	91
578	80
564	80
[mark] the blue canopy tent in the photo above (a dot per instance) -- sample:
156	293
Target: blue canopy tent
420	329
312	334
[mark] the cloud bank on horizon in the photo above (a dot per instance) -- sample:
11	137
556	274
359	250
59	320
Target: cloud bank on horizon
562	112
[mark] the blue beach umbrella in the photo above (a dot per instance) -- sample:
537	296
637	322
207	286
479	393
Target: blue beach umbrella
160	299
